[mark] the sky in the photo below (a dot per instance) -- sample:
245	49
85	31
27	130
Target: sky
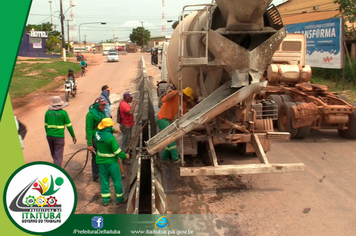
121	16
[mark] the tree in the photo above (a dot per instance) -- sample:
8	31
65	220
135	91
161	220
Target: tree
43	27
347	9
136	36
52	44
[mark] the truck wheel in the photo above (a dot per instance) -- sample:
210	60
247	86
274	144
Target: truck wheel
278	100
350	133
286	98
302	131
67	96
285	119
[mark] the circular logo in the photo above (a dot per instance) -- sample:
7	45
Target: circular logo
39	197
161	222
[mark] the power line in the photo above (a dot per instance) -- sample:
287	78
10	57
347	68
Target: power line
109	17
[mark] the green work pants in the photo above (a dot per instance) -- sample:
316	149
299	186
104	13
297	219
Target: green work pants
106	171
171	149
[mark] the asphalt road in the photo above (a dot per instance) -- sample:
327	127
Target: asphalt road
318	201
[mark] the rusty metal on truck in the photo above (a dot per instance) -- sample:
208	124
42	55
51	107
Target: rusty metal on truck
221	51
302	105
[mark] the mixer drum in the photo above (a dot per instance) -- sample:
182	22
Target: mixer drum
232	60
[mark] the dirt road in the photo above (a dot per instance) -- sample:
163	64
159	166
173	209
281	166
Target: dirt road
318	201
121	77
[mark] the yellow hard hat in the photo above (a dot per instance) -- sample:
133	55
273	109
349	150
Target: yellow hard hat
105	123
189	92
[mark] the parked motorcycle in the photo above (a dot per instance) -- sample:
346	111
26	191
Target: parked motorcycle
70	88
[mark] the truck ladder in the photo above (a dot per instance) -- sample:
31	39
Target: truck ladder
183	59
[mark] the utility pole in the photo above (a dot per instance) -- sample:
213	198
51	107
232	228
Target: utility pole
68	32
50	6
62	26
113	36
143	39
85	41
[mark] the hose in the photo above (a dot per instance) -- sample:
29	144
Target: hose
85	164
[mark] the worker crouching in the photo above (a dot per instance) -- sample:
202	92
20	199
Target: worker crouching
107	160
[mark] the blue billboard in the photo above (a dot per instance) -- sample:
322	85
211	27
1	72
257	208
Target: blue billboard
324	42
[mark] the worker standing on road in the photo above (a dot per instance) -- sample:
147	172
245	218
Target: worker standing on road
105	93
94	116
107	159
127	120
55	121
167	114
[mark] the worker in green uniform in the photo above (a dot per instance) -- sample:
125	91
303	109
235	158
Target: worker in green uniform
56	119
94	116
107	157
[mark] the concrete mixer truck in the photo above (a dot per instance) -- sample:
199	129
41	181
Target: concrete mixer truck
221	50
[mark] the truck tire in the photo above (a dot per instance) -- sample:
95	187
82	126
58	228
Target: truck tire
350	133
285	119
278	100
302	131
286	98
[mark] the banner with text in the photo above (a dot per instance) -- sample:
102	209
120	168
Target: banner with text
324	42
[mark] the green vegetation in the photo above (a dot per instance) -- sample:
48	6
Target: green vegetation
136	36
32	75
333	78
54	40
347	9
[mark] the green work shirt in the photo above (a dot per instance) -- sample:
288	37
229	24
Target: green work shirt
56	121
107	146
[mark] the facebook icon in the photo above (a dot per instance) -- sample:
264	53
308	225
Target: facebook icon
97	222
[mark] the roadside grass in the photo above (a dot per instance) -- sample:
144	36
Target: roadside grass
39	74
347	89
333	78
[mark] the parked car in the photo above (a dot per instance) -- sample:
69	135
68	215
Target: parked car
113	56
105	52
